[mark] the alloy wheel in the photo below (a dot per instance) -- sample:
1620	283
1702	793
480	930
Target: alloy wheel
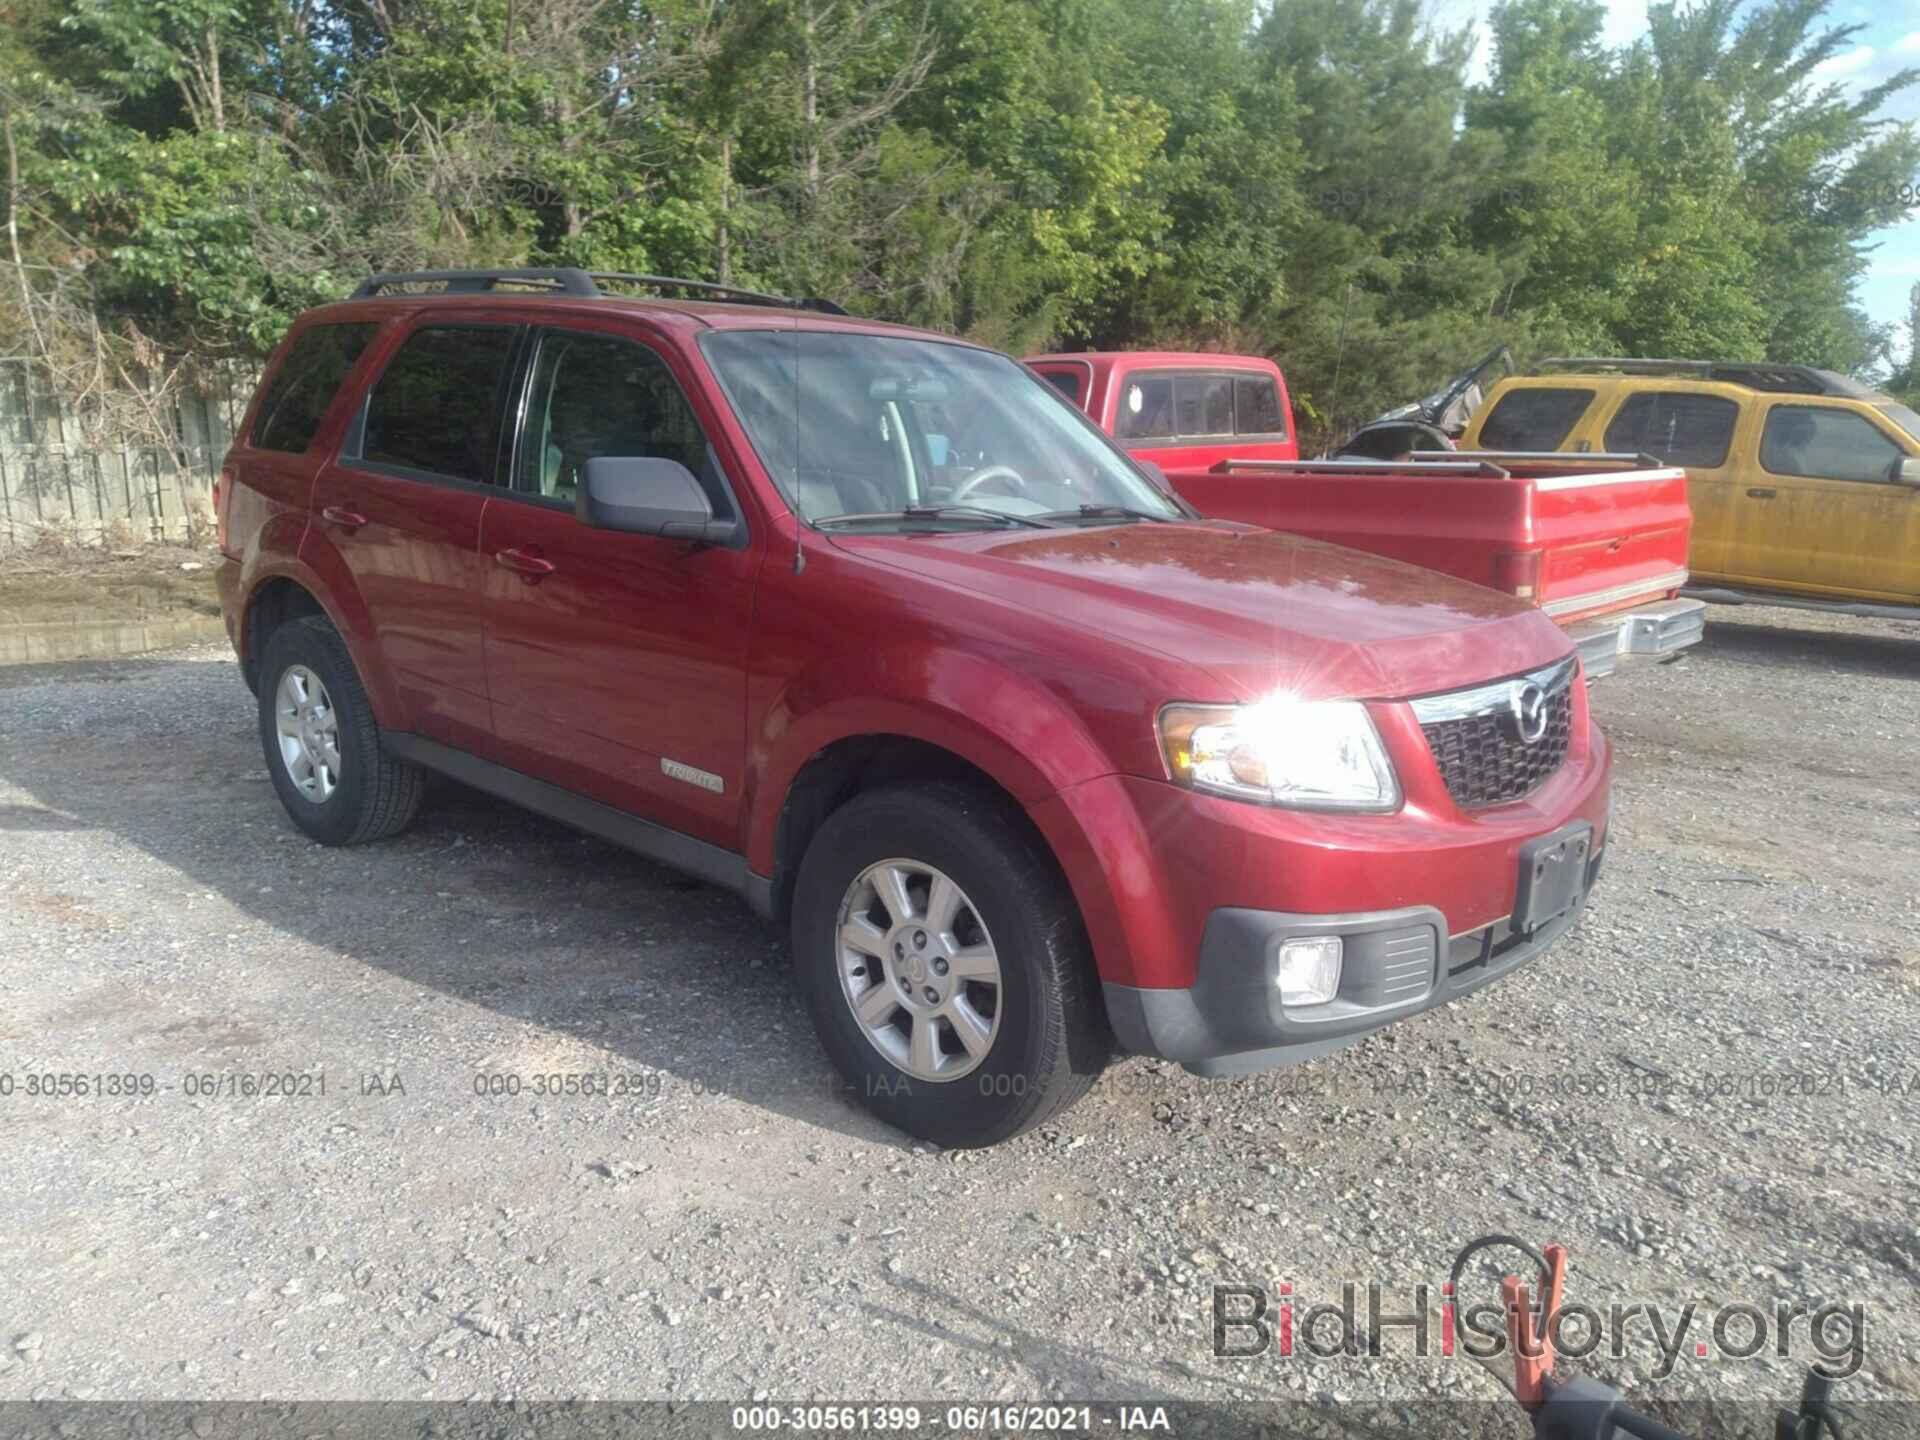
919	970
309	733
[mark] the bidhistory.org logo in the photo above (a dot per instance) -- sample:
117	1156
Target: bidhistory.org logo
1249	1321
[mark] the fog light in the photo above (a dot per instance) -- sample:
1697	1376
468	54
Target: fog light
1309	970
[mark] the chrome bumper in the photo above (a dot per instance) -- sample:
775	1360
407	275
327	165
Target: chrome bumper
1661	628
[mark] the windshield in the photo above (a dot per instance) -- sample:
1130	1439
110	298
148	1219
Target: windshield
871	426
1901	416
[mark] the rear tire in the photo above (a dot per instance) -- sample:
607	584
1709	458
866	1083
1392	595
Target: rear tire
322	744
945	964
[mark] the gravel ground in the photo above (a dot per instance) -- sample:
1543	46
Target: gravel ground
1709	1092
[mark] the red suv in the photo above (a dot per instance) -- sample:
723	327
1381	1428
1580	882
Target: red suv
872	626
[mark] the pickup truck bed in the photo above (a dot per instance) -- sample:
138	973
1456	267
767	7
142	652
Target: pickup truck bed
1597	541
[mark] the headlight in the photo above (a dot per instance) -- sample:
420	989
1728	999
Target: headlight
1306	754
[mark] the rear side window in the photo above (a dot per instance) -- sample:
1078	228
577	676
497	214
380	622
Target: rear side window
1256	407
1533	419
436	407
1825	444
1677	428
303	387
1071	383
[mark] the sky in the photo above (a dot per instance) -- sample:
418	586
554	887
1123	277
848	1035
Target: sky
1889	40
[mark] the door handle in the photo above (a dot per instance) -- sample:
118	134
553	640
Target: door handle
530	568
343	517
1761	492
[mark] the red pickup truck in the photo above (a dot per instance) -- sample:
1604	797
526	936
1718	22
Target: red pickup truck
1597	541
862	623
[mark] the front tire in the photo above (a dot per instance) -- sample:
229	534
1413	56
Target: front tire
945	965
322	744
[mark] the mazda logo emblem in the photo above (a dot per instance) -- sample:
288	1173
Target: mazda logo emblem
1529	712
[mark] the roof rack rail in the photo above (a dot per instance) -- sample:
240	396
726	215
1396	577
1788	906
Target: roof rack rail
572	281
1755	374
1626	364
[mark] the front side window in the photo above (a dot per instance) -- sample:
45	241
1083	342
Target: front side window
1677	428
1825	444
871	425
594	396
436	407
1533	418
302	389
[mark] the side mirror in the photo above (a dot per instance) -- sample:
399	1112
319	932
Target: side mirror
1906	471
1154	473
647	495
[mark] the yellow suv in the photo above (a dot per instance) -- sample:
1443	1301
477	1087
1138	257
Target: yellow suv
1805	485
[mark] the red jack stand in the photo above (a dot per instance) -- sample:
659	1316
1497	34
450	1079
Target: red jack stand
1532	1346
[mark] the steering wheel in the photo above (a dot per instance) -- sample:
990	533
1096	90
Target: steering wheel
980	477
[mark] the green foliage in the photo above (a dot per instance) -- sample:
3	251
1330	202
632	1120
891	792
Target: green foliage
1310	179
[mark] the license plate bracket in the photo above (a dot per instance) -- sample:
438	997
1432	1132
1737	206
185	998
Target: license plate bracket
1553	874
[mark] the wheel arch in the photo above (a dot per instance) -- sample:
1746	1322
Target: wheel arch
854	764
273	603
294	591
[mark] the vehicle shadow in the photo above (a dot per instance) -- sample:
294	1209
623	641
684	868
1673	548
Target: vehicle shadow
1749	642
1077	1368
612	963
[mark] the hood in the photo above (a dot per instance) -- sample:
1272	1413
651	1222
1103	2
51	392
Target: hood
1258	609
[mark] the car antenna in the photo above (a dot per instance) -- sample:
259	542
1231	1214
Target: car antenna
1339	355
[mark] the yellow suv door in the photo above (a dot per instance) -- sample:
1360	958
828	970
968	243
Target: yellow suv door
1693	426
1831	505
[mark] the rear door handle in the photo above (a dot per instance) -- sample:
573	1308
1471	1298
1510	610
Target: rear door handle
1760	492
530	568
343	517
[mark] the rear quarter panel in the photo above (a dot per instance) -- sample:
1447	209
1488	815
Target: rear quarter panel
268	507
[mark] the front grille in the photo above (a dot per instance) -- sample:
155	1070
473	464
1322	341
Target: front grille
1481	753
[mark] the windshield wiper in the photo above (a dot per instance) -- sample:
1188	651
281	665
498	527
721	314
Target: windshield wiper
1107	512
937	512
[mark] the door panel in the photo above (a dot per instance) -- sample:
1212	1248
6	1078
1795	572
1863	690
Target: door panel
402	507
616	663
1697	430
412	547
631	651
1817	511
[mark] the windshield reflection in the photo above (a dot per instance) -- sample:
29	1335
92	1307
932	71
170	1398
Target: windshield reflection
864	428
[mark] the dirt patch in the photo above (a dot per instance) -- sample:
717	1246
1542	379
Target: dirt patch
61	909
71	585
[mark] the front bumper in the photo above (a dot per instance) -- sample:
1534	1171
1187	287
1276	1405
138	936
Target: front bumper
1661	628
1396	963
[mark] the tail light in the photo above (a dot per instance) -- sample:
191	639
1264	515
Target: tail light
1518	573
